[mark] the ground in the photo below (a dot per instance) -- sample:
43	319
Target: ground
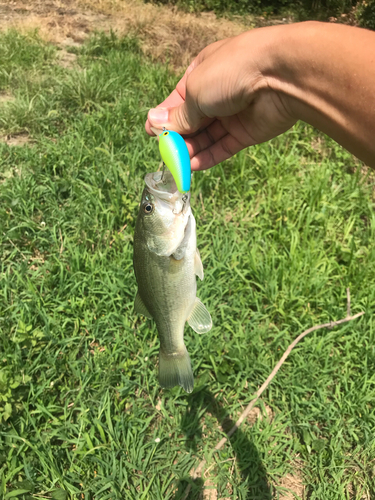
283	230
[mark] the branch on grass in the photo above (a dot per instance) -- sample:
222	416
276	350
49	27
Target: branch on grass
197	472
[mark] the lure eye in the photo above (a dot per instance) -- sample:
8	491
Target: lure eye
148	208
165	133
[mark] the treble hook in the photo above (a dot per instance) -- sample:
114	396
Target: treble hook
162	174
184	200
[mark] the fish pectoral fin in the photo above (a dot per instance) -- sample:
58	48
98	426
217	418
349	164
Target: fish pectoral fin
198	266
140	308
180	252
200	319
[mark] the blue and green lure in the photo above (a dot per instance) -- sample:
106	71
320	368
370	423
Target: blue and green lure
175	155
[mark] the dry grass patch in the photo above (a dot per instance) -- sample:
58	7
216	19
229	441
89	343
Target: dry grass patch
55	21
166	34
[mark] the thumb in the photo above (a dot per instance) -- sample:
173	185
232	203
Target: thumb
184	119
184	115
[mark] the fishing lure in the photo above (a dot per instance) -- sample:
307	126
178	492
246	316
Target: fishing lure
175	155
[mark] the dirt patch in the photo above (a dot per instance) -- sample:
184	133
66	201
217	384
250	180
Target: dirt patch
355	494
209	492
257	414
66	59
6	97
36	260
165	32
15	140
293	485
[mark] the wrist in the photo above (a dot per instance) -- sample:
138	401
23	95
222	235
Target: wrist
323	74
292	67
273	57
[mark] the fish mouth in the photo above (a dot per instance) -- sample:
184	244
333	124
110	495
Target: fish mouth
161	190
162	185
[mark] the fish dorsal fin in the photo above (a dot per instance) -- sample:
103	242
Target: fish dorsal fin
140	308
198	266
200	319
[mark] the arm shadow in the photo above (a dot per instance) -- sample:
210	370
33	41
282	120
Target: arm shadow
246	455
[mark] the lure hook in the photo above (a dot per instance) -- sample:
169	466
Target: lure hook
162	174
184	199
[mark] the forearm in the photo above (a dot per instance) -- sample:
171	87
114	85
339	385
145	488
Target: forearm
325	75
251	88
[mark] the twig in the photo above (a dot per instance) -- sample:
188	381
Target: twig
18	250
121	230
62	242
197	472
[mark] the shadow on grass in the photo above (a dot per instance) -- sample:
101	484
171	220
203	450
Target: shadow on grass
246	454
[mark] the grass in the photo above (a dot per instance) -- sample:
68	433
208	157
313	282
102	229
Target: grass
283	229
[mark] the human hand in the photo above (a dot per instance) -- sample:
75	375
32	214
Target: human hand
224	102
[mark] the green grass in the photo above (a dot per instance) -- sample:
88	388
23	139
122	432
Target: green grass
284	228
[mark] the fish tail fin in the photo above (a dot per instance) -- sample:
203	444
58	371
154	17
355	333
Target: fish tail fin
175	369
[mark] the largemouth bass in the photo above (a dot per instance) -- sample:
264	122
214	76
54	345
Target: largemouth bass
166	262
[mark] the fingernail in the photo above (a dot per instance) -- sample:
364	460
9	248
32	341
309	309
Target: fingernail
158	116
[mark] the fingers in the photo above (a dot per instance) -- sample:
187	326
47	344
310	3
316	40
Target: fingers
158	117
206	138
219	141
161	113
222	150
182	118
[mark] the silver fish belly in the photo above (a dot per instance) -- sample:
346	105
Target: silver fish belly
166	262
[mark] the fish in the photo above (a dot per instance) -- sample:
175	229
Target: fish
175	155
166	262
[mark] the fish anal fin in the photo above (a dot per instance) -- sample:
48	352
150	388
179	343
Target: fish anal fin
140	308
200	319
198	266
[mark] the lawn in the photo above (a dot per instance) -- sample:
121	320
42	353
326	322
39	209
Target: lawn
283	229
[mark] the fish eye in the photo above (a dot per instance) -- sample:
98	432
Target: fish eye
165	133
148	208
